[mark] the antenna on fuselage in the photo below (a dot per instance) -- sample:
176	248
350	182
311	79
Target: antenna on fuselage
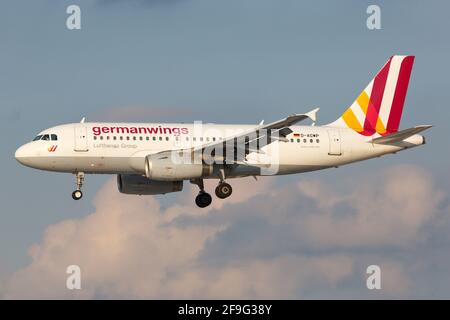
83	120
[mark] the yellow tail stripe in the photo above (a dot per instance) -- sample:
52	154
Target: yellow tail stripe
380	126
351	120
363	101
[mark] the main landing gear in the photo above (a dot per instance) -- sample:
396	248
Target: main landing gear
77	194
223	190
204	199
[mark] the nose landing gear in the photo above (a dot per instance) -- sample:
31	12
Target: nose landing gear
77	194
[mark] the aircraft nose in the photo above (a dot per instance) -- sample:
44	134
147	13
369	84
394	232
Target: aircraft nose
19	153
22	154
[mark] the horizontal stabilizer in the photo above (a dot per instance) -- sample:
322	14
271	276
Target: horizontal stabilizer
400	135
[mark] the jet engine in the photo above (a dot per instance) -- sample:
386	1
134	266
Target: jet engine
137	184
173	166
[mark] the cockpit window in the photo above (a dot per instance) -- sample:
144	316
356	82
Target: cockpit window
46	137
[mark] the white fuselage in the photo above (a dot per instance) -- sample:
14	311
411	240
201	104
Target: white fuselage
121	148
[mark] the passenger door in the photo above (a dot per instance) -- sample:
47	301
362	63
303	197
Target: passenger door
335	142
81	143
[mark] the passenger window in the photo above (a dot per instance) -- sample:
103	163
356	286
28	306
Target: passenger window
167	138
160	138
95	137
37	138
46	137
298	140
54	137
154	138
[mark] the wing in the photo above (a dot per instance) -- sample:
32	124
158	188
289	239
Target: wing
253	140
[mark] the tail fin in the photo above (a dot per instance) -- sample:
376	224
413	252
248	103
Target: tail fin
378	108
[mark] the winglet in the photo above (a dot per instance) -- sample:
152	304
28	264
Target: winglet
312	114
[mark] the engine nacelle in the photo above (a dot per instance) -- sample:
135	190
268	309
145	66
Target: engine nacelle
137	184
162	167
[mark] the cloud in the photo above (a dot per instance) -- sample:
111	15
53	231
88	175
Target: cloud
389	209
299	240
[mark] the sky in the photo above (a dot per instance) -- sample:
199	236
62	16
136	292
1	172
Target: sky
296	237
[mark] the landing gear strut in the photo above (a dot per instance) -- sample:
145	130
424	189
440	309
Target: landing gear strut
77	194
203	198
223	190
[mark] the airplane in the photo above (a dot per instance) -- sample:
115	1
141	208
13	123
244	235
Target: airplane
156	158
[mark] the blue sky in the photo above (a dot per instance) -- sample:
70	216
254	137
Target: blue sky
218	61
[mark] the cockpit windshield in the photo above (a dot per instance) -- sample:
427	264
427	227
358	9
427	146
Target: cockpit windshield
46	137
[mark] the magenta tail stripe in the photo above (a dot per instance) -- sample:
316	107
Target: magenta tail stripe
400	94
376	96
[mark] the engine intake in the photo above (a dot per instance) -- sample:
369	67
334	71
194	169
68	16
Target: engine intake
137	184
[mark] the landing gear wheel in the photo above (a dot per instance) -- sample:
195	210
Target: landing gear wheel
203	199
77	195
223	190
